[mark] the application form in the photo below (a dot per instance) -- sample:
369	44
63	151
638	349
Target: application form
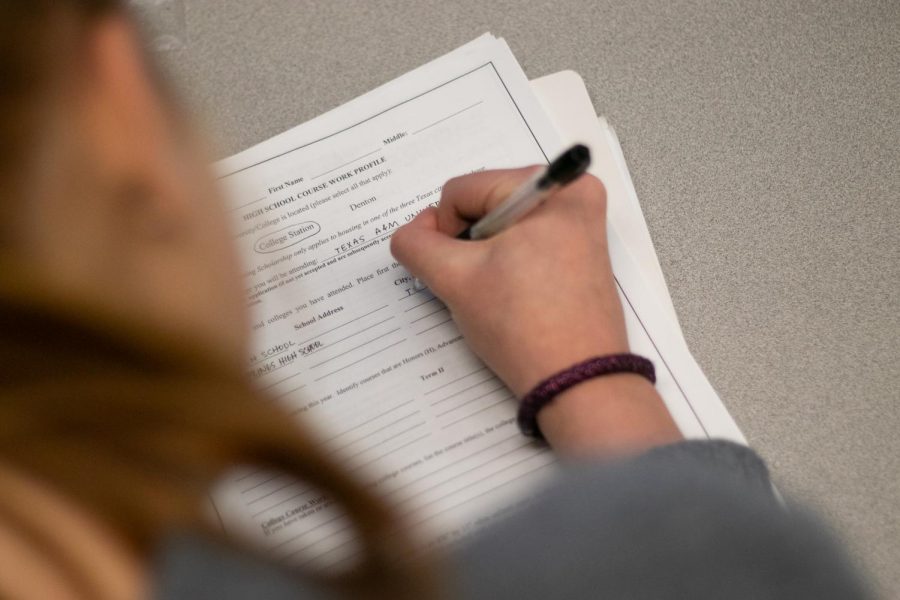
345	341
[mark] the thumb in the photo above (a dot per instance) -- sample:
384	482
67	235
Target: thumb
427	253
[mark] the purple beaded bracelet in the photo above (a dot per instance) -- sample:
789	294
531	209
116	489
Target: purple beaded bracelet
548	389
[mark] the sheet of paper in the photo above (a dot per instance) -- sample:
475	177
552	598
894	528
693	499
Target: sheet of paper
344	340
347	343
650	316
566	101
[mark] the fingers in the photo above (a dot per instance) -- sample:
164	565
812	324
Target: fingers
427	253
468	198
590	192
426	245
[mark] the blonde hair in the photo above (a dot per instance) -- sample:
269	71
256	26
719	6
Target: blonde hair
134	427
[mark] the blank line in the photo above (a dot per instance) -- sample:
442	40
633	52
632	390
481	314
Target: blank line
270	386
275	491
431	314
455	380
263	483
317	542
477	481
421	304
250	474
473	400
448	117
349	336
360	360
382	428
248	204
476	412
344	325
384	441
291	391
302	533
493	489
399	406
374	339
398	448
348	163
462	390
454	463
434	326
280	502
466	472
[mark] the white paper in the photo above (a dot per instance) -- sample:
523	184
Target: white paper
346	342
566	101
650	316
344	339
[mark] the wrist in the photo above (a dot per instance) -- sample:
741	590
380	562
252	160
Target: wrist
614	414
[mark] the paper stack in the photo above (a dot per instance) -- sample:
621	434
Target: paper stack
344	340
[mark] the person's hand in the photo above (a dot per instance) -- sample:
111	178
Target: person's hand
536	299
532	300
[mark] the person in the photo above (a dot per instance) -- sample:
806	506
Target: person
123	398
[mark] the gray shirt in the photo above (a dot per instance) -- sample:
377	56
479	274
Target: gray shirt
691	520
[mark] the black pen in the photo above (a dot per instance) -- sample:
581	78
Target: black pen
567	167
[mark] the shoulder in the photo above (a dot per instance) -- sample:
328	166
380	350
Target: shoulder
191	567
691	520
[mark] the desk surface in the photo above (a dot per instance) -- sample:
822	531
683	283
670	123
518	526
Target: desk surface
764	142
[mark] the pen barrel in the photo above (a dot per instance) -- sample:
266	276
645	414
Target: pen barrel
522	201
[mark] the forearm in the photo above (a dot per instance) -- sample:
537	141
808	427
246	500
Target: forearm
608	416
